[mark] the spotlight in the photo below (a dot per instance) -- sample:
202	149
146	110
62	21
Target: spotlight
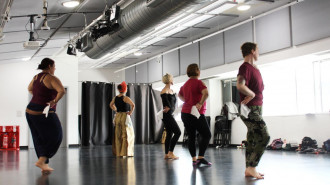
78	44
70	4
26	58
138	53
71	50
243	7
108	25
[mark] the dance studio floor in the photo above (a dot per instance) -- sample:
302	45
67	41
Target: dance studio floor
97	166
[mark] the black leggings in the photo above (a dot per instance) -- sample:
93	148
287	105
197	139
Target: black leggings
171	128
192	124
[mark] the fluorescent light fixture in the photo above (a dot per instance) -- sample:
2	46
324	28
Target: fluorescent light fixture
169	22
243	7
173	31
215	4
223	8
132	50
138	53
26	58
154	40
197	20
70	4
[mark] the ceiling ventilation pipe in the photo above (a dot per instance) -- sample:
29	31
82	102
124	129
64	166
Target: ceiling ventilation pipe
138	18
4	15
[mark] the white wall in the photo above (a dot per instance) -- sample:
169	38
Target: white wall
214	103
101	75
14	80
67	72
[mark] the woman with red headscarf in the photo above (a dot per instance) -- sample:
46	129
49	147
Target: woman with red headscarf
123	141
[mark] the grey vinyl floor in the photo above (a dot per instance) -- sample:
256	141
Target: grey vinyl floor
96	165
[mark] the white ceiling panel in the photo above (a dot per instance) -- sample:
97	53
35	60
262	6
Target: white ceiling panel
11	47
24	7
215	21
75	20
17	55
170	41
15	37
17	24
47	52
10	61
56	43
191	32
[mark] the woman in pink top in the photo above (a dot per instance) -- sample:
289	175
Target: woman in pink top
194	93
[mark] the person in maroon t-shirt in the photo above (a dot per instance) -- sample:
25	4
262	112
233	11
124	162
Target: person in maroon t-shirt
250	86
194	93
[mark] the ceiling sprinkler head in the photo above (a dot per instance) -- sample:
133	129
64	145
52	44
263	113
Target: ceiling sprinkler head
45	25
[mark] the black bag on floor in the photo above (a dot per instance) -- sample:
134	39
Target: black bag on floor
327	145
308	142
275	145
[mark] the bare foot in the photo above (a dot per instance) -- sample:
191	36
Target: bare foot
261	174
45	169
172	156
251	172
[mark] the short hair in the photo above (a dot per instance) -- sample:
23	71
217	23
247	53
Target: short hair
192	70
167	78
45	63
247	47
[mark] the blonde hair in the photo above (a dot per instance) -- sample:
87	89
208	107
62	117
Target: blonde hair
167	78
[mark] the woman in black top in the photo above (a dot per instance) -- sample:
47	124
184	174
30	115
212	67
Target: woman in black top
169	101
123	142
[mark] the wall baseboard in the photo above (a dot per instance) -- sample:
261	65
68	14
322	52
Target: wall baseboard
74	146
23	147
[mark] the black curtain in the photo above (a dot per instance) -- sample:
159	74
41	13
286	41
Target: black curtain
96	115
147	128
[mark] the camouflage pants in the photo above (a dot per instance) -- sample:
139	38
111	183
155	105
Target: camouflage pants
257	136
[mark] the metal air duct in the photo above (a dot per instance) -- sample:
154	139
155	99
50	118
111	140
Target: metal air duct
4	13
138	18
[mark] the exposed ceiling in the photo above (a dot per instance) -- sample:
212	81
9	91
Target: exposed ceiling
65	23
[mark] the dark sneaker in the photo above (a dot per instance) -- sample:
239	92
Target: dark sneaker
203	161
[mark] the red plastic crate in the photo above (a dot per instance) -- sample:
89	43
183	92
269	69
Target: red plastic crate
12	133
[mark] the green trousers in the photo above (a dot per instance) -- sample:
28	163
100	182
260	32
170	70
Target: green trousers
257	136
